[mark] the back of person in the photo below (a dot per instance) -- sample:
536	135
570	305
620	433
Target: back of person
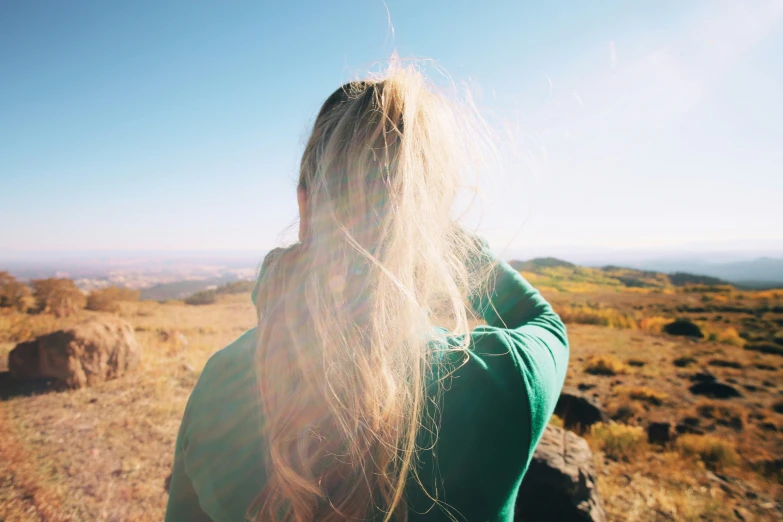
348	401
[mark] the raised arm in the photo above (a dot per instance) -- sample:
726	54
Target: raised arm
522	321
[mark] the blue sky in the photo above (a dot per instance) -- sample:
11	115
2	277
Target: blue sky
178	125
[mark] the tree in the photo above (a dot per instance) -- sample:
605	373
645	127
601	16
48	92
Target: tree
13	293
106	299
58	296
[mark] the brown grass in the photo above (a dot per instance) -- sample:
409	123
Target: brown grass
645	394
619	441
723	413
71	455
605	365
715	453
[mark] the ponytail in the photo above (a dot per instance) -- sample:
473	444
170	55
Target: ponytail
346	316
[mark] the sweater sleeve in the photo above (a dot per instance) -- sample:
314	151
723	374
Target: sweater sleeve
524	322
183	504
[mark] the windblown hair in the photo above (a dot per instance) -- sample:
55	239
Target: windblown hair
346	316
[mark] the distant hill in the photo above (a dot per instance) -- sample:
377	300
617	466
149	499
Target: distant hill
555	274
182	289
762	272
539	262
684	278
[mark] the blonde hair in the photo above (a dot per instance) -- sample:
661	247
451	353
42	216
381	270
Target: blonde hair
346	316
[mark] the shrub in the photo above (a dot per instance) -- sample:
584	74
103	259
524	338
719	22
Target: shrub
683	361
731	336
777	407
683	327
595	314
556	421
106	299
653	324
626	411
636	362
60	297
618	441
645	394
723	363
605	365
202	298
714	452
765	348
13	294
723	414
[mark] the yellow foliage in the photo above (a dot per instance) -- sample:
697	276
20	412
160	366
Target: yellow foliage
619	441
731	336
598	315
714	452
769	294
653	324
605	365
645	394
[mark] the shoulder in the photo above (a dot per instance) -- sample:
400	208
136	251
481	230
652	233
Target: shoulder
226	385
240	352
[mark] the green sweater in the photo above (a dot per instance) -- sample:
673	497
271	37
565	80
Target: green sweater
493	413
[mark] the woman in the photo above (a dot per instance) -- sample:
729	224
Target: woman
349	401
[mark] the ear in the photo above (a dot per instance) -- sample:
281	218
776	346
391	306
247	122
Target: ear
301	198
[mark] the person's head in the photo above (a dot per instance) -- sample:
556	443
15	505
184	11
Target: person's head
346	315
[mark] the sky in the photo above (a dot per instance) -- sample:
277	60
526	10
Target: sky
178	125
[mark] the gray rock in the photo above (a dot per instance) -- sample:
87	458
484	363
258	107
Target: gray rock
560	484
578	410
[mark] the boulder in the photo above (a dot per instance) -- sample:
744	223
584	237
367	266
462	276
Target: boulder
683	327
714	390
560	484
578	410
659	432
95	350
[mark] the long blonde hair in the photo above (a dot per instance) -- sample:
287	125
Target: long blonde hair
346	316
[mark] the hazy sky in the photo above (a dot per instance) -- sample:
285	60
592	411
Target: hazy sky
179	125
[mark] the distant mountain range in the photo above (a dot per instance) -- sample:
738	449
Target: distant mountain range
754	274
764	272
175	275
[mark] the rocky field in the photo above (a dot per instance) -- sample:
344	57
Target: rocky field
680	427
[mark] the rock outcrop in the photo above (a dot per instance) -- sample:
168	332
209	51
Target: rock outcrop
560	484
578	410
96	350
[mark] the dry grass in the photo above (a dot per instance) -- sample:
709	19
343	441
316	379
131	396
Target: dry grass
654	324
596	315
645	394
715	453
619	441
605	365
722	413
72	455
